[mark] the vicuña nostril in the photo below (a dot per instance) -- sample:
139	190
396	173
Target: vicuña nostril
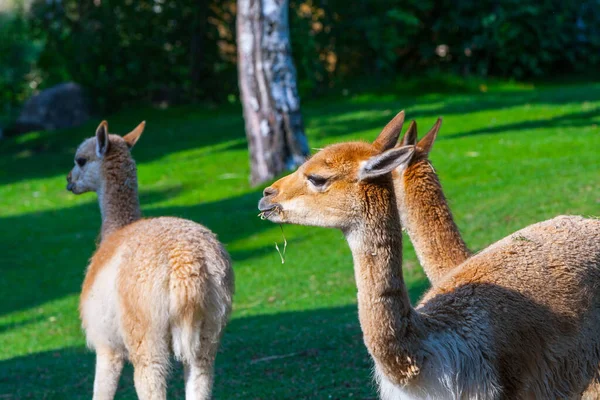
269	191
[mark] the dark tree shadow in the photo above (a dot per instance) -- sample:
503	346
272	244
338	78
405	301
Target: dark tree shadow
315	354
14	325
458	105
47	154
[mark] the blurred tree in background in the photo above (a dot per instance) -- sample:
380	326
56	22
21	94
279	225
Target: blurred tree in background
268	89
18	56
166	51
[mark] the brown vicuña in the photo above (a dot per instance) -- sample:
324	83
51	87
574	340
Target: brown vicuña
155	287
518	320
426	215
424	211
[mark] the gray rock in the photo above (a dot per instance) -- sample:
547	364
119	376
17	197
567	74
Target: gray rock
61	106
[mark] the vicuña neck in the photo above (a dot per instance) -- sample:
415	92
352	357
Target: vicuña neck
118	197
429	222
387	320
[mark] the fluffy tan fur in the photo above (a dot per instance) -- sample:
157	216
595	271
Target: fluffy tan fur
155	287
426	216
518	320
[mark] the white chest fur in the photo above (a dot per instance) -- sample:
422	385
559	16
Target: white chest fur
453	370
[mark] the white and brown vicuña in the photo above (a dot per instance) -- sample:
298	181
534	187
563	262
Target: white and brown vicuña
155	287
518	320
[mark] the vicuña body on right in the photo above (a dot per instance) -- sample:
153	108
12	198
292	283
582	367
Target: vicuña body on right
426	215
519	320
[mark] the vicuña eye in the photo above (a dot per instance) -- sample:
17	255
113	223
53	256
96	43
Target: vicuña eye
317	180
80	161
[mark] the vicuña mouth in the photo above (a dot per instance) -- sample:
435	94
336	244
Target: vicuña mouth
267	211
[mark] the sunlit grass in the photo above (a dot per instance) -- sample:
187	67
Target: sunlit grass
508	155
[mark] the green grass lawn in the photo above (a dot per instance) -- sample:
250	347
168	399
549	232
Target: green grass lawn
508	156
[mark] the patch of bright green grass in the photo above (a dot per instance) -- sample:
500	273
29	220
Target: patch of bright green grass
508	156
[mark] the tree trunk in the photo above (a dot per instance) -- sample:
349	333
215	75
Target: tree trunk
267	79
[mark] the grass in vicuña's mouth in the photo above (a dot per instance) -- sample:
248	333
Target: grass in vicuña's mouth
282	254
265	215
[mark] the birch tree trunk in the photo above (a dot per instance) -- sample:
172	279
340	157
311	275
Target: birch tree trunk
267	80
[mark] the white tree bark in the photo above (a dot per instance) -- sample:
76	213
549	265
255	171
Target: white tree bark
267	80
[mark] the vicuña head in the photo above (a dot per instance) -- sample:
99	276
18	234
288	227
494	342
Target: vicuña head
338	185
99	156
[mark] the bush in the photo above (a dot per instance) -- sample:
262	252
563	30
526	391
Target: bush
156	50
136	51
334	41
515	38
510	38
19	54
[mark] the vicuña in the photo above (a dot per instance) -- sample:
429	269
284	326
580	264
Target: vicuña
517	320
155	287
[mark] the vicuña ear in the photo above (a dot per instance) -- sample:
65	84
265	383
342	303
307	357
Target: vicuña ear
426	143
386	162
410	136
102	142
389	135
132	137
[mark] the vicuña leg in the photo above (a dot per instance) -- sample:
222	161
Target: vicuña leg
151	365
199	372
109	365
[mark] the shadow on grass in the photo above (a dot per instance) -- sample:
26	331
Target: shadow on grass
314	354
54	248
317	354
173	130
45	154
346	123
15	325
570	120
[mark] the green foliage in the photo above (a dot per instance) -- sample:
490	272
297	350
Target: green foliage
508	38
334	41
126	52
521	38
18	54
136	51
507	158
